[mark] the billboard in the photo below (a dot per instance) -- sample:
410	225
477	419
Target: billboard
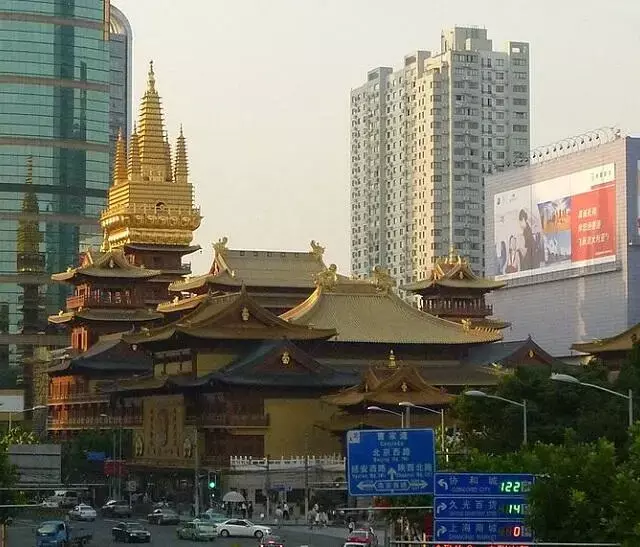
558	224
36	463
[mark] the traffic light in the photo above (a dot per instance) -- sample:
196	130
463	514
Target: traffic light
213	480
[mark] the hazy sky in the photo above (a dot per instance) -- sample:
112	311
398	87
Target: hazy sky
262	89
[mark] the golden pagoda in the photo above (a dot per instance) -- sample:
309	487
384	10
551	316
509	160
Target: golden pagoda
151	200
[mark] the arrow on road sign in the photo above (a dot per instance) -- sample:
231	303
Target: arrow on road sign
366	486
441	507
443	484
418	484
392	473
441	531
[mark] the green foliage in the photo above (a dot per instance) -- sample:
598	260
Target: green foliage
75	467
17	435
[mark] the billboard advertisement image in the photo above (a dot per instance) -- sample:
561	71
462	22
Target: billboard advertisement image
557	224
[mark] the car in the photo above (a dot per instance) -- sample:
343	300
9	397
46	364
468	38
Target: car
212	518
197	531
242	528
130	532
83	512
272	541
163	516
352	544
363	537
51	503
115	508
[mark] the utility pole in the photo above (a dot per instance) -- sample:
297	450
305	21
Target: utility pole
267	487
306	486
196	492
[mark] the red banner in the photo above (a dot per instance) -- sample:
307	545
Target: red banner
593	229
117	468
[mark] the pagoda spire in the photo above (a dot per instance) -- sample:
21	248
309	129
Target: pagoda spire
120	161
153	152
167	153
134	154
29	235
181	172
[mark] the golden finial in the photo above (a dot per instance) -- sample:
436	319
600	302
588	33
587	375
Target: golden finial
392	360
453	256
181	171
120	161
466	324
134	153
151	83
220	247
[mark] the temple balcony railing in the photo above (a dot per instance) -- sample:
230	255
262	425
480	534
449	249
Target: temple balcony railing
332	462
228	420
87	301
104	422
435	307
78	397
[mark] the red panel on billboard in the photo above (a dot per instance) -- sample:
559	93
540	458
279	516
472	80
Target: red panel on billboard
593	224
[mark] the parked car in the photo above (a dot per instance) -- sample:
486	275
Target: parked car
57	533
197	531
242	528
272	541
68	498
163	516
130	532
363	537
115	508
52	503
83	512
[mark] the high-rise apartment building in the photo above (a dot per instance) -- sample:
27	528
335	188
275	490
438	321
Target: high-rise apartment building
422	139
55	109
120	85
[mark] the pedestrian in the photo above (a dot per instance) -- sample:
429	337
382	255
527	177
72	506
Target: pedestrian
317	519
285	511
244	510
278	516
250	510
351	526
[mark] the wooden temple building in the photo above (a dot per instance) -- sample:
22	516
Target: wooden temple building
268	354
612	351
455	292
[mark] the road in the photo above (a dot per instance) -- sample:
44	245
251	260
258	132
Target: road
22	534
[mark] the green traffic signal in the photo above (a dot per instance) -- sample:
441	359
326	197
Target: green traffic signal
212	485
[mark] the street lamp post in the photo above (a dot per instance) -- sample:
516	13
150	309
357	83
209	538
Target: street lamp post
380	409
568	379
11	412
408	406
523	405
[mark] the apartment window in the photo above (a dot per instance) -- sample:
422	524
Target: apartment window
499	75
519	102
519	62
499	89
520	115
499	62
519	88
519	128
520	75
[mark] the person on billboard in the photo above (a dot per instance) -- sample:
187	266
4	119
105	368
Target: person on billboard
513	260
528	253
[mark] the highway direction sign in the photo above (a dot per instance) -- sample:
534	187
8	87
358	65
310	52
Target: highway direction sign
478	507
482	531
390	462
482	484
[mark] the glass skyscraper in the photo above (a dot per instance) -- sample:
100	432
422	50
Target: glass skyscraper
56	80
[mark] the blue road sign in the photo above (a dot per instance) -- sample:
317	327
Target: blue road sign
390	462
95	456
482	531
482	484
478	507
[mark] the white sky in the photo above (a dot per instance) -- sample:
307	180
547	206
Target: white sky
262	89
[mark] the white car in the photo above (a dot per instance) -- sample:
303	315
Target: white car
51	503
83	512
242	528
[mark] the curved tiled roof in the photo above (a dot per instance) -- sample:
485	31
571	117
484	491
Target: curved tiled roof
113	264
361	312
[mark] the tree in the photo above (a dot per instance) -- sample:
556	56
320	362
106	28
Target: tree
75	466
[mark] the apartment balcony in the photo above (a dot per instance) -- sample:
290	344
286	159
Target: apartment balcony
94	422
75	302
228	420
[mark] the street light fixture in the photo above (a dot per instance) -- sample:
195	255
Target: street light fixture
409	405
380	409
523	405
568	379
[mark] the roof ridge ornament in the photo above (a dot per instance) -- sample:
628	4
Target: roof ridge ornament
392	361
382	280
316	249
220	246
328	278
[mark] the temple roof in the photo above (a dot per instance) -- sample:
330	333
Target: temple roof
108	354
276	363
623	341
278	269
107	315
368	311
454	272
344	421
511	354
112	264
385	386
182	304
234	316
184	249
